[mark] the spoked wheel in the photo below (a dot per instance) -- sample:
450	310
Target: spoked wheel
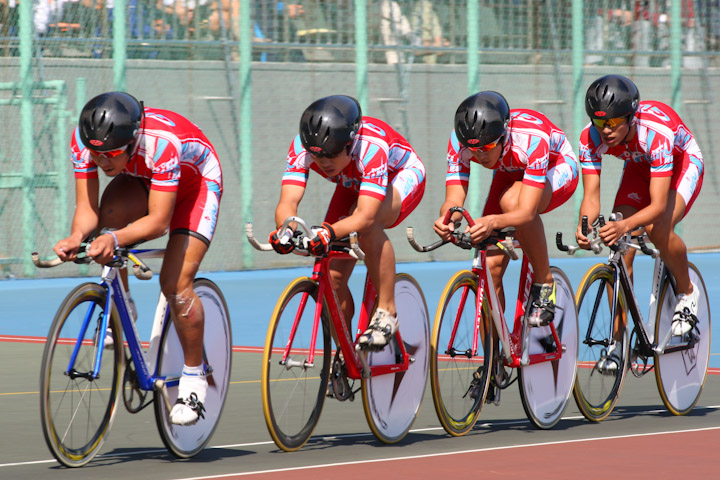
601	368
294	386
392	401
78	406
459	372
187	441
545	387
681	375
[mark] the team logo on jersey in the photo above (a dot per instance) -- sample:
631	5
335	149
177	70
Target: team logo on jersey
316	149
600	113
96	143
473	141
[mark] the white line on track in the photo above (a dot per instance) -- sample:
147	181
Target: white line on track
418	430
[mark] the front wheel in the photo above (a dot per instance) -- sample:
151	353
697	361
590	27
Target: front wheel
294	384
680	375
78	406
545	387
392	401
603	356
460	356
187	441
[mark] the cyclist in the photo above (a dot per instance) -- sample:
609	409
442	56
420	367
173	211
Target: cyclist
380	180
534	172
166	179
662	177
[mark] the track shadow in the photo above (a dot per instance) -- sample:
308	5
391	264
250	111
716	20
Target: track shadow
128	455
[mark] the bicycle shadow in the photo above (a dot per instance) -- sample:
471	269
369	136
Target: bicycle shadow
124	456
657	411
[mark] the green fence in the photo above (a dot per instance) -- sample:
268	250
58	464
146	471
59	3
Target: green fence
245	70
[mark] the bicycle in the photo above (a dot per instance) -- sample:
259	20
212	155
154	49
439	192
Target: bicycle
81	380
297	364
604	298
469	321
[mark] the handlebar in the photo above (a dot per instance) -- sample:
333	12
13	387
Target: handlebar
628	240
122	255
501	238
298	237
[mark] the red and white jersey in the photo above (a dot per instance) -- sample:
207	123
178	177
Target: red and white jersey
378	153
170	151
661	138
531	143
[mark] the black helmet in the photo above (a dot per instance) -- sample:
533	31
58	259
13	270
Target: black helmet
481	119
329	124
110	121
612	96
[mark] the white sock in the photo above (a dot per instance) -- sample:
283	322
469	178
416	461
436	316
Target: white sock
193	381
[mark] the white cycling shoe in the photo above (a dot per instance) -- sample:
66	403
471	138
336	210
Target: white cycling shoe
190	405
379	332
686	312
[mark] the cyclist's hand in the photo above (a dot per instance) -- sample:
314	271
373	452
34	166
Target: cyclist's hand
67	249
102	248
320	243
280	241
444	231
582	240
612	231
482	229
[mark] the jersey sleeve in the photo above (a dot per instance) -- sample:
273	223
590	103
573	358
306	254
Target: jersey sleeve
538	157
296	166
373	163
82	165
458	170
163	152
660	148
590	158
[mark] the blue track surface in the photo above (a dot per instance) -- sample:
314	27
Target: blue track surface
28	306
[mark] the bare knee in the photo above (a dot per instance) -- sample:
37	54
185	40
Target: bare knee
185	305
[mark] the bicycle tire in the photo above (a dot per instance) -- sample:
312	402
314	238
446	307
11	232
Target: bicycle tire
293	397
451	374
186	441
77	413
545	387
680	376
597	390
392	402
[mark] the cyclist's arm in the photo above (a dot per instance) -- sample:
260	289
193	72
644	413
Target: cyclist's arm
290	196
589	207
87	209
155	224
85	219
529	199
455	195
659	192
366	214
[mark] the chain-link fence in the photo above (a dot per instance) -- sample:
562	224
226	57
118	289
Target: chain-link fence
245	70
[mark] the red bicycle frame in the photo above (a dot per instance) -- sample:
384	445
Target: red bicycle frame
511	340
355	362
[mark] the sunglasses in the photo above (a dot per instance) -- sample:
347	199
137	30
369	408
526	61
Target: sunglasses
610	122
109	153
486	147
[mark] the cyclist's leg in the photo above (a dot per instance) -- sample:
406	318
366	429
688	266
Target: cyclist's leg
183	255
532	234
380	255
191	230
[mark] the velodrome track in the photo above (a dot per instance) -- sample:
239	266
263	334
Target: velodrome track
640	438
